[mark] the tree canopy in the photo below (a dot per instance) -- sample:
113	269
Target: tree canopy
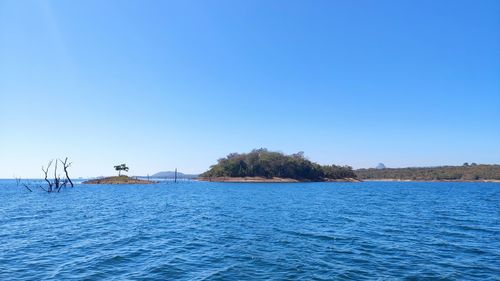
121	167
465	172
269	164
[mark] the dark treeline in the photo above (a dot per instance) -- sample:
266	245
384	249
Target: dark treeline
465	172
269	164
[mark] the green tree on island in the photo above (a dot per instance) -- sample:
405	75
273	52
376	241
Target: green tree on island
121	167
268	164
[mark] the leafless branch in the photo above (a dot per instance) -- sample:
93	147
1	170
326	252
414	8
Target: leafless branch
46	171
66	165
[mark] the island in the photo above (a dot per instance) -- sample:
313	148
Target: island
262	165
118	180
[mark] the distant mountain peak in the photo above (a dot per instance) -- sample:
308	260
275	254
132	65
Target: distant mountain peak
380	166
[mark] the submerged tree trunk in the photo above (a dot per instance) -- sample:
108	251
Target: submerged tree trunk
56	179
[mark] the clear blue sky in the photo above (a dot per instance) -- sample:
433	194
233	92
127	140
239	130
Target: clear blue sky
166	84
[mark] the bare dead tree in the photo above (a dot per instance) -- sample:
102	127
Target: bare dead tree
66	165
46	171
57	183
20	182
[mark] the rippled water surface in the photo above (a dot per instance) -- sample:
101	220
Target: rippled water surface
214	231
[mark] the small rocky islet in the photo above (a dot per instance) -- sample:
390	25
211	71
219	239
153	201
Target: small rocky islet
118	180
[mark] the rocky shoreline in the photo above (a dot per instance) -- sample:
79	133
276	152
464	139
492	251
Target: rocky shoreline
267	180
118	180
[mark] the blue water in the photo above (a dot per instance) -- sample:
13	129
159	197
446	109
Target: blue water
225	231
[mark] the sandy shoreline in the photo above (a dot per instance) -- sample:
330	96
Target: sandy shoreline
288	180
267	180
402	180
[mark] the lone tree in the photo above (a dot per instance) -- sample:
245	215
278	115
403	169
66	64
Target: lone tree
121	167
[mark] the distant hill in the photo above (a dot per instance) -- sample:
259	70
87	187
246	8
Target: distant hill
380	166
466	172
171	174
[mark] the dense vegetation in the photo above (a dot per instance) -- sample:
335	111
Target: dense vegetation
465	172
269	164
